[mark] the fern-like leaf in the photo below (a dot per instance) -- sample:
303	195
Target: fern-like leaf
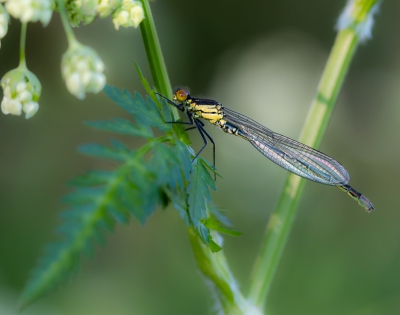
155	175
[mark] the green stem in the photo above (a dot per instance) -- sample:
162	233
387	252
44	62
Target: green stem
72	41
154	55
22	61
213	265
281	220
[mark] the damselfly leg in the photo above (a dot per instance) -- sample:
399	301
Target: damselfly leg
196	124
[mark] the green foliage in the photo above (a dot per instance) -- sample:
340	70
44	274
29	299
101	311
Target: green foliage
155	175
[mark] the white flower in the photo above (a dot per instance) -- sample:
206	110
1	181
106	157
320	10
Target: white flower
10	106
106	7
30	10
130	13
21	90
82	70
30	109
4	20
81	11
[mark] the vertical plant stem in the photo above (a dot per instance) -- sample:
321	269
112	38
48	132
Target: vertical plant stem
22	61
65	22
213	265
281	220
154	55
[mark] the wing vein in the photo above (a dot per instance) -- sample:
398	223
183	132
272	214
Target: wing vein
290	154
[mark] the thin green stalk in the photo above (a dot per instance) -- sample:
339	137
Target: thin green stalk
213	265
22	61
65	22
281	220
154	54
354	25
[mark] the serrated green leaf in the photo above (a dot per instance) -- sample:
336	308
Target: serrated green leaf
181	134
208	182
152	109
214	225
143	112
196	190
166	113
102	151
177	198
113	93
75	212
166	165
138	193
84	195
206	238
154	175
217	214
204	233
121	147
62	258
121	126
209	166
191	151
182	153
145	83
214	247
165	110
93	178
118	211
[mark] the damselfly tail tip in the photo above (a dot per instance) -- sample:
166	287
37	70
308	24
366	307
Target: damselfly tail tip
370	208
366	204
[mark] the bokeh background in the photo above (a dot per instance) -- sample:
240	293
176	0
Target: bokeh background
263	59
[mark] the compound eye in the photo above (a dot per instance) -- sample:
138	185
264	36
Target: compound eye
181	95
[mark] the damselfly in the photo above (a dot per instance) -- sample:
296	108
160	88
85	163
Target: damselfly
290	154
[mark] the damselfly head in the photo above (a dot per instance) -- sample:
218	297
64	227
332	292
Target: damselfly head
180	95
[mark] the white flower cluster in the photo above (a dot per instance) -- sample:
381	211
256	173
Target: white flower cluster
81	11
106	7
82	70
30	10
21	90
4	19
130	13
125	13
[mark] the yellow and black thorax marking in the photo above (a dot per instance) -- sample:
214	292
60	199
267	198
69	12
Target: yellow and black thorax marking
211	112
206	109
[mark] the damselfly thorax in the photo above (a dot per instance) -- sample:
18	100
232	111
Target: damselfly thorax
206	109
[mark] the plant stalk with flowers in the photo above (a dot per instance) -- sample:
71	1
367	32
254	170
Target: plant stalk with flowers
81	66
21	88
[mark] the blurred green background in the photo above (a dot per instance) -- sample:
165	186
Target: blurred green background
263	59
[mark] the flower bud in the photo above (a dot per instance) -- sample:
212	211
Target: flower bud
81	11
106	7
21	92
82	70
30	10
130	13
4	20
